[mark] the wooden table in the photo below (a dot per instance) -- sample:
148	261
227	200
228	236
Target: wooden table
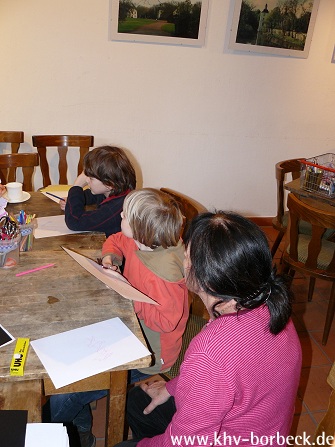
315	200
54	300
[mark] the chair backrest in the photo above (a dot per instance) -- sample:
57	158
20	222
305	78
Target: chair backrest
320	220
26	161
62	143
15	138
190	208
283	168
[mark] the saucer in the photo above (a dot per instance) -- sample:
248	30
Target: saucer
25	196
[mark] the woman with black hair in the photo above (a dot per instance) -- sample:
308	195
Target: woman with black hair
239	378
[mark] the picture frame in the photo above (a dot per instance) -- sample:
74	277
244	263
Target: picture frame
177	22
333	56
279	27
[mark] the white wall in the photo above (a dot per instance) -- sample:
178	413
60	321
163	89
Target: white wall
206	121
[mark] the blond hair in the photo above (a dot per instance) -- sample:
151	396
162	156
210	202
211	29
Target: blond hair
154	217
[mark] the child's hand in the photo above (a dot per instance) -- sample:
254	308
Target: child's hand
81	180
62	204
108	264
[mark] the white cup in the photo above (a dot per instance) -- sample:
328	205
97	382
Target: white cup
14	191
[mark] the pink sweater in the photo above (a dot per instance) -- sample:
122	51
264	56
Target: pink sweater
165	324
237	380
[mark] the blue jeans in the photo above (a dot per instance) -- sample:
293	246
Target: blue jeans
74	407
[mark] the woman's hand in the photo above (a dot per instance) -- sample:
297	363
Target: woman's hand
158	393
62	204
81	180
2	190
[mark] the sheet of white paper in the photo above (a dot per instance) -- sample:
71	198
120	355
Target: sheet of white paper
42	435
112	279
52	226
73	355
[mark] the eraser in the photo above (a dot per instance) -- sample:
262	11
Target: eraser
19	357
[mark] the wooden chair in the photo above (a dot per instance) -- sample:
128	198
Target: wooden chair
311	255
26	161
198	313
63	143
15	138
283	169
190	208
327	425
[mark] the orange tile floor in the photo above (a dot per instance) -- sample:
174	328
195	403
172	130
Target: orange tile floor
309	319
313	392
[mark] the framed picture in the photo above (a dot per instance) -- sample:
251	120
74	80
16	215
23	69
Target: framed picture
173	22
283	27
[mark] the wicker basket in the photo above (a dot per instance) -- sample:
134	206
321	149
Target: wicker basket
318	175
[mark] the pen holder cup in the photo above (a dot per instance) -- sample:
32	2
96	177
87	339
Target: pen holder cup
27	234
10	252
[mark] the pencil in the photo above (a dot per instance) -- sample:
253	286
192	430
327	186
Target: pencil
53	195
35	270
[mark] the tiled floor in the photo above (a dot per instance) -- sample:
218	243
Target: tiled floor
314	392
309	319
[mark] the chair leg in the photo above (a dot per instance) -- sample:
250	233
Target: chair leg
311	288
291	273
286	270
277	242
330	315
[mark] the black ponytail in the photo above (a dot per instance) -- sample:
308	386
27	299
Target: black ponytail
231	259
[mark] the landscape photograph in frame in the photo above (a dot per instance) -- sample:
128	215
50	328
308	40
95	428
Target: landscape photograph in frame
283	27
175	22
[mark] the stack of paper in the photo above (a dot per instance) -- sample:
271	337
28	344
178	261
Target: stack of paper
52	226
57	190
42	435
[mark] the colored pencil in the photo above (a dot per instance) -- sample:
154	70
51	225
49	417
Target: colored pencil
35	270
53	195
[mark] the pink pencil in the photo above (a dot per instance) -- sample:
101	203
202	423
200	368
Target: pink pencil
35	270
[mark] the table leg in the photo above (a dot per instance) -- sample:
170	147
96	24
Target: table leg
116	406
23	395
